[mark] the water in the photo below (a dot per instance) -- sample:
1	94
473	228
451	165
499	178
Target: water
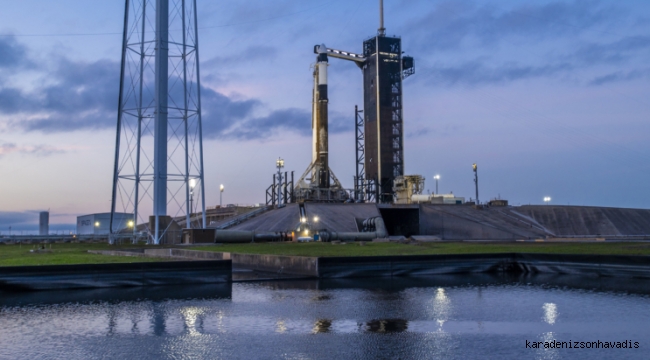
451	317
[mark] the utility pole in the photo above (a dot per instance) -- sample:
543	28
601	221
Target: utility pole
476	181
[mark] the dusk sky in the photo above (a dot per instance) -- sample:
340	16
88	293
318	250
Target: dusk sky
549	98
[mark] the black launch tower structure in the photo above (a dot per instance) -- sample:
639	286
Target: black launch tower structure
383	71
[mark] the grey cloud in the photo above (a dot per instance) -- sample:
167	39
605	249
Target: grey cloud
249	54
12	54
261	127
7	148
83	96
220	113
451	23
37	150
10	218
476	73
613	52
620	76
294	120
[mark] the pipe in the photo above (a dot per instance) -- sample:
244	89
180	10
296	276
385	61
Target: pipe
244	236
379	233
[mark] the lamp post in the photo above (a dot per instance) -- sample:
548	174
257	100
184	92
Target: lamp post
280	164
220	195
192	185
437	177
547	199
475	168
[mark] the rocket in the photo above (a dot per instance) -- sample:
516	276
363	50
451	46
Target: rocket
320	117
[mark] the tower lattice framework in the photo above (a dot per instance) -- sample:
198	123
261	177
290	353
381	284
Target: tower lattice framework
158	173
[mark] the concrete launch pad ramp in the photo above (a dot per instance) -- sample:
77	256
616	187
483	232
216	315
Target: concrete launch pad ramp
333	217
283	219
453	222
588	220
531	222
458	222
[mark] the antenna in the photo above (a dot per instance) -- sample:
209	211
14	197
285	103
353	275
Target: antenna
382	30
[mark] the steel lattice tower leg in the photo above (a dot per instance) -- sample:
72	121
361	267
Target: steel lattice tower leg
159	146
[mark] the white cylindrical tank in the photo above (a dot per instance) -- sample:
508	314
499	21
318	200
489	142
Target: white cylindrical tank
420	198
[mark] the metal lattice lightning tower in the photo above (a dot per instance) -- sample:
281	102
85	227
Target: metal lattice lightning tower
158	149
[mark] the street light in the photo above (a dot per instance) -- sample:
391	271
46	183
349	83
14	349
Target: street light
220	194
192	185
437	177
547	199
316	219
130	223
280	164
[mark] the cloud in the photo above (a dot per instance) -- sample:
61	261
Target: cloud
83	96
293	120
459	27
37	150
451	23
10	218
249	54
613	52
477	73
12	54
619	76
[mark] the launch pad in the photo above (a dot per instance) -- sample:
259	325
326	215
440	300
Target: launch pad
379	133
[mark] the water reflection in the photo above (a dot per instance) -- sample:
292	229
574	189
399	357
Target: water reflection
193	320
548	353
418	319
550	313
322	326
280	326
387	326
441	306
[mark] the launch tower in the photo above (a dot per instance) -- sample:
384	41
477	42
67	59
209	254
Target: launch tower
384	67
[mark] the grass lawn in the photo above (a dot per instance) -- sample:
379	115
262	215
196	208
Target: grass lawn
64	254
381	249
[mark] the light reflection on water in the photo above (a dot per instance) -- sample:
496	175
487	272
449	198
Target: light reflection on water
448	317
550	313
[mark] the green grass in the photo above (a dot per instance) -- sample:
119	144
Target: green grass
382	249
64	254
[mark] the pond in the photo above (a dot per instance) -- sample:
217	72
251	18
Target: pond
451	317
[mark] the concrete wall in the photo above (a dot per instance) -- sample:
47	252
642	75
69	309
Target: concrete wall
419	265
58	277
584	265
296	265
373	266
